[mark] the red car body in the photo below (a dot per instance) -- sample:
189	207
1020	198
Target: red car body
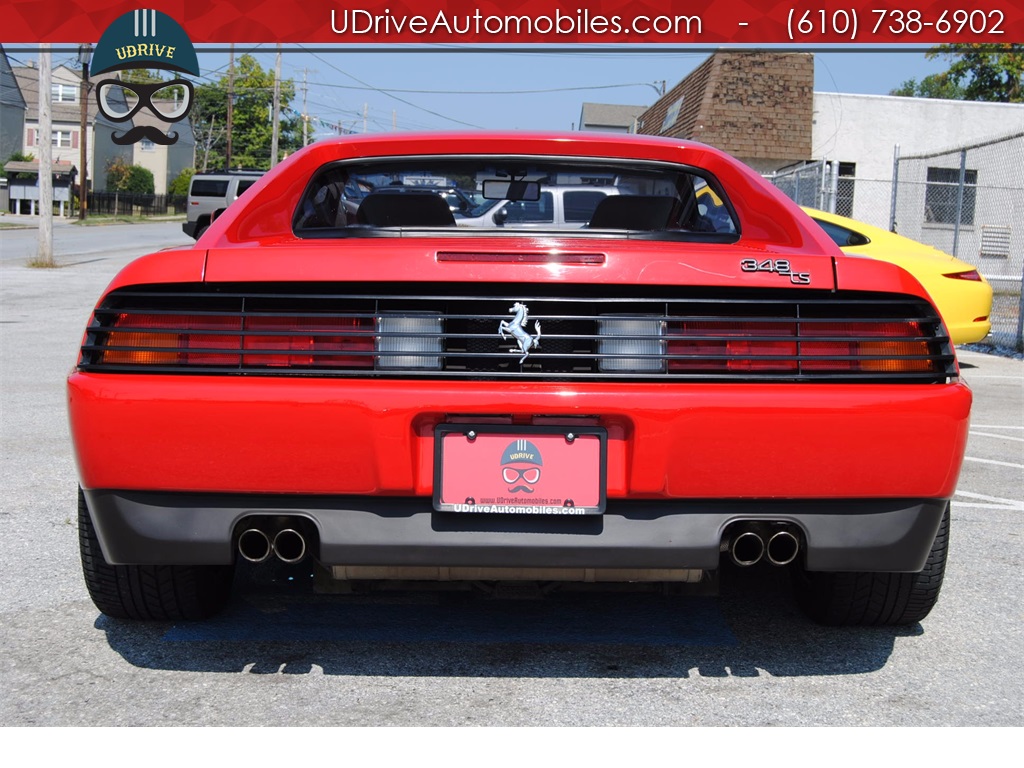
855	468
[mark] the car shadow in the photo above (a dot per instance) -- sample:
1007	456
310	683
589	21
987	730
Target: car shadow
279	626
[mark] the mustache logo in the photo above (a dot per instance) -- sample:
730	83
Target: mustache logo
140	132
519	488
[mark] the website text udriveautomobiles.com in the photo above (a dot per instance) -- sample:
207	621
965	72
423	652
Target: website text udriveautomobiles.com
583	22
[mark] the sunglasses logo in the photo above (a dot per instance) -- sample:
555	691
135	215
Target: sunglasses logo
521	464
145	39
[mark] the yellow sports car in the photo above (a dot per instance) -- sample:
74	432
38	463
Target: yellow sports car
962	295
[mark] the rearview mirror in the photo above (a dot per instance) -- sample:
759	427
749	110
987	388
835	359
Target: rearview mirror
499	189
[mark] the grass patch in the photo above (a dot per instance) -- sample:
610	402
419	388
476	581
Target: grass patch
101	220
38	263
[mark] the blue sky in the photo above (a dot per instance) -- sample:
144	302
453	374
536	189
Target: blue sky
452	90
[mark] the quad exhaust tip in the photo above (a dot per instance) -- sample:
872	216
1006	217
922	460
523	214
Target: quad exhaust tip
782	548
774	542
747	548
256	545
289	546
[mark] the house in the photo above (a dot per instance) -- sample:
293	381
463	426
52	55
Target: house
66	115
23	185
888	160
12	110
619	118
12	121
165	161
755	105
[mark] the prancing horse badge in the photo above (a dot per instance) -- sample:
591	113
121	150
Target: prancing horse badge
517	328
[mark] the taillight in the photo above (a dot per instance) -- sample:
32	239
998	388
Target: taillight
231	341
329	342
862	346
387	341
409	341
631	344
707	345
969	275
152	339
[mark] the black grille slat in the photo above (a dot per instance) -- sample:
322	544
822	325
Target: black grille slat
782	337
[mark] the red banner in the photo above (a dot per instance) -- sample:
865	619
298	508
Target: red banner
798	23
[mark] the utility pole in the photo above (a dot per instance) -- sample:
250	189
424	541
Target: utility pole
230	105
366	109
277	108
84	56
45	253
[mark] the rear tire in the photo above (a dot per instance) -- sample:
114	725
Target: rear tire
149	592
875	599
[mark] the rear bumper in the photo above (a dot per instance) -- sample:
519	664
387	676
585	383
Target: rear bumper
190	528
329	437
968	331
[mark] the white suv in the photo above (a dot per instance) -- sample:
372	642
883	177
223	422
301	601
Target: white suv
210	193
566	207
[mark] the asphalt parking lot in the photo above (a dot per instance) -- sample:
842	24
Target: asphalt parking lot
283	655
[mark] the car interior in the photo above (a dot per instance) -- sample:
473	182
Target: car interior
651	201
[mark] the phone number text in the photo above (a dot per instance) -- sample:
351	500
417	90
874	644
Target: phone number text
846	22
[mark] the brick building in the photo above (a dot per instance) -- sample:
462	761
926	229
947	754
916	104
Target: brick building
756	105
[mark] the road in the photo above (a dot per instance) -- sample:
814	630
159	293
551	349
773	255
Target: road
282	655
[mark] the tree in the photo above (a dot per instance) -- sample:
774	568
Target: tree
133	179
180	184
21	157
251	133
931	87
978	72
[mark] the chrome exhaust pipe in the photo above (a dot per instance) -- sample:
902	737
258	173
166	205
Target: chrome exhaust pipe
782	548
254	545
747	548
289	546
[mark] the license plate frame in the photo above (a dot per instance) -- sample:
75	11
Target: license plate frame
472	462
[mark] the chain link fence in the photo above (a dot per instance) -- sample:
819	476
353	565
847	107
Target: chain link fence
967	201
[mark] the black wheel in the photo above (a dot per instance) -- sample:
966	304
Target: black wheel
200	231
875	599
149	592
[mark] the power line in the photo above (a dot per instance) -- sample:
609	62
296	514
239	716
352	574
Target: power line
388	94
503	92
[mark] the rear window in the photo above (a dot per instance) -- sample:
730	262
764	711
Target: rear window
587	197
244	185
208	188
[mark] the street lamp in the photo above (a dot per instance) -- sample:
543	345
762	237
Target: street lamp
84	57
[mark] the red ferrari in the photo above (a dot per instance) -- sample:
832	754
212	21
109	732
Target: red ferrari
580	373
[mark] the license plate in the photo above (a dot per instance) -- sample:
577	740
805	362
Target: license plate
520	471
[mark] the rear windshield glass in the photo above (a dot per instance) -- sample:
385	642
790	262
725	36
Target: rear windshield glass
466	196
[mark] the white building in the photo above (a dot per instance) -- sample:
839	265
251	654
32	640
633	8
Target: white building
861	133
